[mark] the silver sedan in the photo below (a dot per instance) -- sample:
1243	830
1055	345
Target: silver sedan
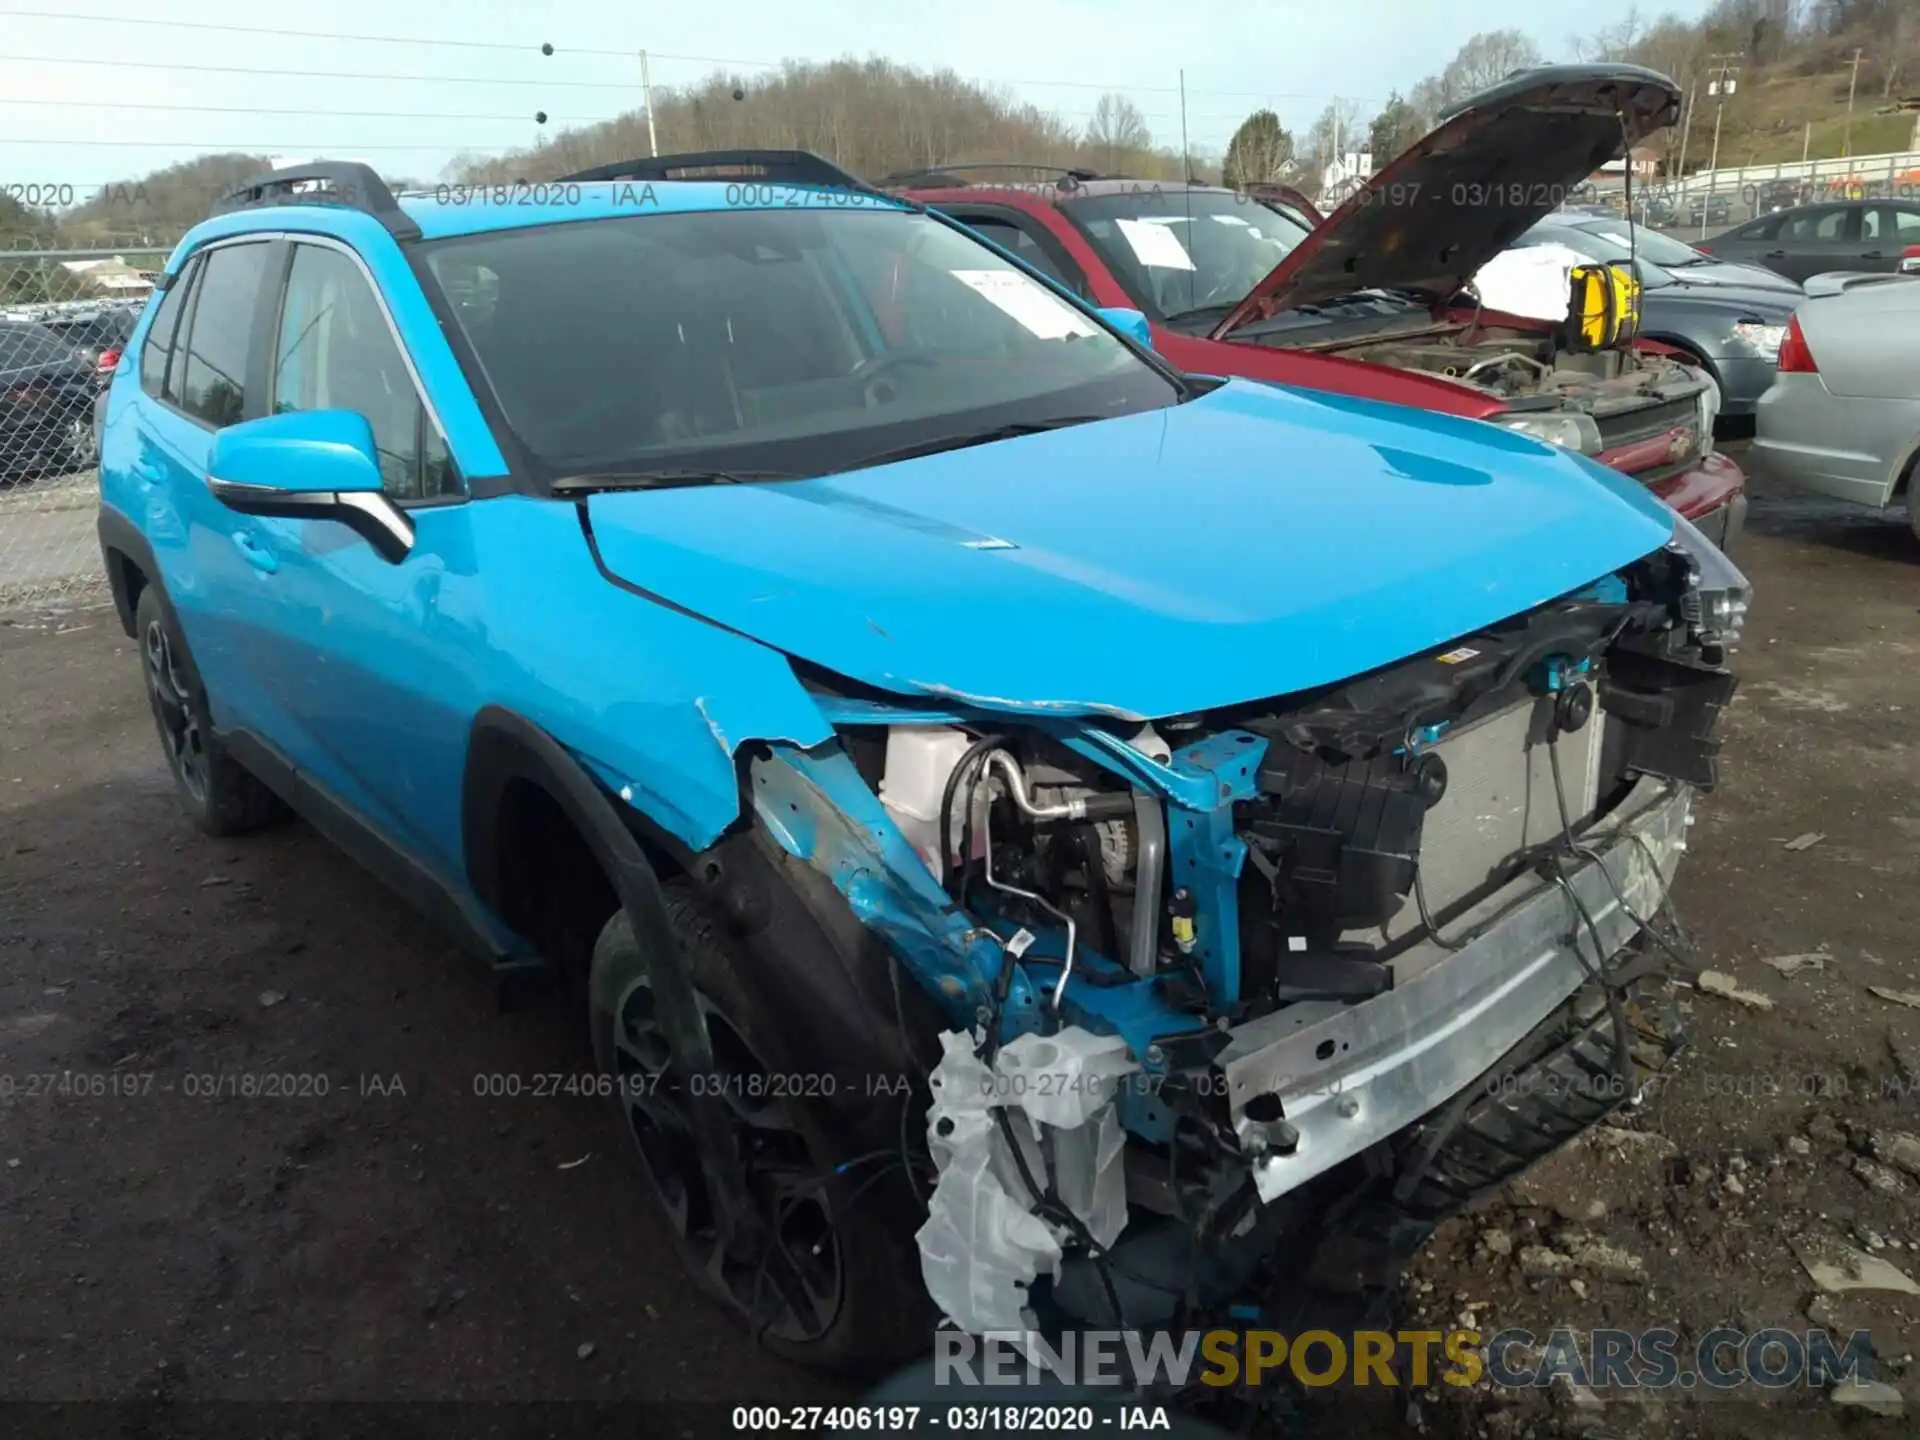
1842	417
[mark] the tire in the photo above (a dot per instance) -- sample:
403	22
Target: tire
865	1306
216	791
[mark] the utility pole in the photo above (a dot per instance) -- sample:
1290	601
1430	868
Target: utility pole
1186	156
1806	142
1853	78
1718	89
646	87
1336	135
1686	128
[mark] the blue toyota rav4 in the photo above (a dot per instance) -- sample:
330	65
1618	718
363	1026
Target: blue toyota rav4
1034	836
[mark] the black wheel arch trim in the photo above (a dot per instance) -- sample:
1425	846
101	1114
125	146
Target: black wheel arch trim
811	961
122	543
504	746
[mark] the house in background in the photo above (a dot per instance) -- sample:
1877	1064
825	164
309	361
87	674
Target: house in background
114	278
1646	165
1342	177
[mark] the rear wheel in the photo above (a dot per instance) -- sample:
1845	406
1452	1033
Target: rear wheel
216	791
837	1283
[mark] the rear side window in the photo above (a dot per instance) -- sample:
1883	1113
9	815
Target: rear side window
335	351
1011	237
1811	226
1762	229
158	347
213	384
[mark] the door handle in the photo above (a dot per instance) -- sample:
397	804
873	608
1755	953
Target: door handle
1773	255
146	473
1871	255
258	555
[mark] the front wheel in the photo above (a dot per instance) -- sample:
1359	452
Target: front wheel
836	1283
217	792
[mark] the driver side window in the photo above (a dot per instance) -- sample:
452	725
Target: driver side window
335	351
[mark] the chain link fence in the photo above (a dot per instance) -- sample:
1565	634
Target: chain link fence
65	316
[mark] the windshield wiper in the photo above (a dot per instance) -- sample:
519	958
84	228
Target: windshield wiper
590	480
976	437
1197	311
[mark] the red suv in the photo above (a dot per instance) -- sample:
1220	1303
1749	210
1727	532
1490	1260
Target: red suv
1376	300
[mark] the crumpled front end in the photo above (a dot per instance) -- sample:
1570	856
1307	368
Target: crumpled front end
1200	969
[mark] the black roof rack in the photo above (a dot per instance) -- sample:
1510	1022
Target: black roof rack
338	182
1067	176
797	167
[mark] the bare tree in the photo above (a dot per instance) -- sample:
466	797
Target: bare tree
1339	129
1486	59
1117	128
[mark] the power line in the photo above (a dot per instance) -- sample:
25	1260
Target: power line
524	48
626	85
274	147
92	104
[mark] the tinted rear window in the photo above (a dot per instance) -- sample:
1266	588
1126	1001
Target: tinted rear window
26	346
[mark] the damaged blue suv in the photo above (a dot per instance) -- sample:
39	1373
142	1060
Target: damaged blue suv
1034	837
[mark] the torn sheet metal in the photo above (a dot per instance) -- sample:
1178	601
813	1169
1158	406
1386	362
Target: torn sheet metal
983	1245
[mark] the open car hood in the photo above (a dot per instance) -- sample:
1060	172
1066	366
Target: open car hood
1253	542
1464	191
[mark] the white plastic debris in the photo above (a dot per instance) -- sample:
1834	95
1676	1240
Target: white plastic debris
982	1245
1535	280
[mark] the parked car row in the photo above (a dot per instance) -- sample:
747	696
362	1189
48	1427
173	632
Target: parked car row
847	652
1869	236
48	385
1369	301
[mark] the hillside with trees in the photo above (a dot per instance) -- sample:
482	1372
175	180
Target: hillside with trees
873	117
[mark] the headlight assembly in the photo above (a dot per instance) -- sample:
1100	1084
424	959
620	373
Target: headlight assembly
1715	605
1569	429
1763	340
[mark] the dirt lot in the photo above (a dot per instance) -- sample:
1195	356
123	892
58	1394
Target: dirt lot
399	1236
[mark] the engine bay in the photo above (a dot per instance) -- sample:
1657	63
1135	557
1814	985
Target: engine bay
1134	925
1512	364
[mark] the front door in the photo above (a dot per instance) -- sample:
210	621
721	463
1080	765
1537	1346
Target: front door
372	657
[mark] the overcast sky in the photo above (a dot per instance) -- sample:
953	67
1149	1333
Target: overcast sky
70	72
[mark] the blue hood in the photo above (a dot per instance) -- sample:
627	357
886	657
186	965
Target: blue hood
1253	542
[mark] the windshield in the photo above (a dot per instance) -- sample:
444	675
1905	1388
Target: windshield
1607	249
1651	245
791	340
1187	254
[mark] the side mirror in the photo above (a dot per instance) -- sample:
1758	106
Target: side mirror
1130	323
309	465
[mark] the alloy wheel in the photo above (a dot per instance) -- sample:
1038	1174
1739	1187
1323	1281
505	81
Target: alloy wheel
791	1289
180	732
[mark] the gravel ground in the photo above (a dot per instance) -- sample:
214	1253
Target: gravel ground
400	1236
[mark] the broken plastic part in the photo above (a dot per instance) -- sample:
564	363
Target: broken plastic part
981	1247
982	1244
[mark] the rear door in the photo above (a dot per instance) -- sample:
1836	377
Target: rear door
1888	230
